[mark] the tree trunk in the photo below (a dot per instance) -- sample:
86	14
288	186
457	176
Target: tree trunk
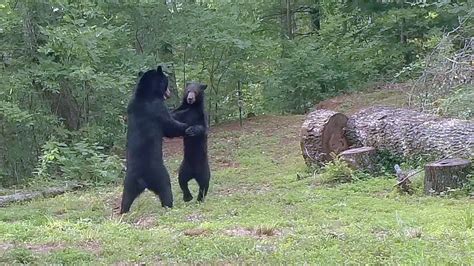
410	133
363	158
322	134
26	196
446	174
64	105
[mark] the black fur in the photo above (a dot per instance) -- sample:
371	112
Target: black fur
149	121
195	163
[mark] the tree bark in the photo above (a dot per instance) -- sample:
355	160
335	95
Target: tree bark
410	133
322	134
446	174
26	196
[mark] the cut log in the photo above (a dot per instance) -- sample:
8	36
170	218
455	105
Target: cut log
445	174
410	133
363	158
322	134
26	196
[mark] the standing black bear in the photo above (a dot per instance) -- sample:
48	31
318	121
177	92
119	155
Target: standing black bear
195	163
148	121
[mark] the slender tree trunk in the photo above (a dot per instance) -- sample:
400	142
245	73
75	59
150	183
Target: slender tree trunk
289	15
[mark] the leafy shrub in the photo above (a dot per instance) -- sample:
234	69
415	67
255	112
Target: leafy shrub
459	104
80	161
337	171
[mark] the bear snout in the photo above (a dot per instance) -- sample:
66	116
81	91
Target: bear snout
191	97
167	93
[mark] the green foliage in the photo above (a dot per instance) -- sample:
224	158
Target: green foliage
68	68
459	104
356	45
337	171
19	255
80	161
307	76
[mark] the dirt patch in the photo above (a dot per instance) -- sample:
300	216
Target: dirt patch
260	232
45	248
381	234
60	212
173	147
242	189
91	246
222	162
114	202
195	217
392	94
5	246
196	232
332	104
145	222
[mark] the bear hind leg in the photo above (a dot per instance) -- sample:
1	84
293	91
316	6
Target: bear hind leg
160	184
203	182
184	178
131	190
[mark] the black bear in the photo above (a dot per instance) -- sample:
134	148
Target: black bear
149	120
195	163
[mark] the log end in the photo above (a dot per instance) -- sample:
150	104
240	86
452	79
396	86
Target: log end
358	150
322	134
454	162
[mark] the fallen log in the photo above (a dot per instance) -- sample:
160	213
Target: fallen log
322	134
446	174
30	195
363	158
410	133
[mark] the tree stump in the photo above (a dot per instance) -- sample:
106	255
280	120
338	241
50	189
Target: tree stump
363	158
443	175
322	133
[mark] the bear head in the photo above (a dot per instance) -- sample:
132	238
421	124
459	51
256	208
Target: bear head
194	93
153	84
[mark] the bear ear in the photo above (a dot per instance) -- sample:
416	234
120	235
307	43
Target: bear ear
159	69
203	86
140	74
188	83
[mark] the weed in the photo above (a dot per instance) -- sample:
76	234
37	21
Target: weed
337	171
469	218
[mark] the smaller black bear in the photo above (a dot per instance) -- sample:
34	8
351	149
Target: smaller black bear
149	120
195	163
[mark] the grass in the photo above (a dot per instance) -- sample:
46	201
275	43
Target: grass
257	212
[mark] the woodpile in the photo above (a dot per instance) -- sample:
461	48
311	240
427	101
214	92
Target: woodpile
402	132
